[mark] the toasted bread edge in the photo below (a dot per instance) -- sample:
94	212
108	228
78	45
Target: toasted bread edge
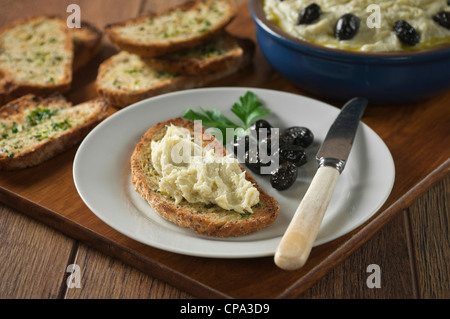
184	217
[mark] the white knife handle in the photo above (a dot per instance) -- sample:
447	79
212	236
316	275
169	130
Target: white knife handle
296	244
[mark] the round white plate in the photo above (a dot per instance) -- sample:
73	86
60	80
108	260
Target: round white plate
102	173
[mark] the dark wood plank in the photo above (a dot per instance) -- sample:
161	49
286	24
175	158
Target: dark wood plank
421	127
97	12
429	219
155	6
33	256
104	277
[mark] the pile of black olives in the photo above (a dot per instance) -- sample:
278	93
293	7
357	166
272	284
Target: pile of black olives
348	25
290	152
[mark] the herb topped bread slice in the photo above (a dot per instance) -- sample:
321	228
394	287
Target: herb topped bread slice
36	56
34	129
127	78
181	204
172	30
222	52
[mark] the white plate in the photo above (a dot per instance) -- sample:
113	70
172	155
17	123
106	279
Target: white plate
102	173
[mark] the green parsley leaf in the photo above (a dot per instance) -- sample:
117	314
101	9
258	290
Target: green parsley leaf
212	118
248	111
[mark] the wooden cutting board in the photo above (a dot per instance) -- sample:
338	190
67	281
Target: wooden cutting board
418	136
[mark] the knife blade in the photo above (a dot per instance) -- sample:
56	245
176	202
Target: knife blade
296	244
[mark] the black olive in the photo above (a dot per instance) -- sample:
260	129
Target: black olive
292	153
406	33
285	139
309	14
347	27
253	162
443	18
302	135
266	144
261	124
240	143
284	176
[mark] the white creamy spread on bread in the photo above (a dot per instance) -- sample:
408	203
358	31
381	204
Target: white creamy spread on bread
198	175
418	13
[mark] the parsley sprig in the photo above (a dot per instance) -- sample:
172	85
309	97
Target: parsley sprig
249	110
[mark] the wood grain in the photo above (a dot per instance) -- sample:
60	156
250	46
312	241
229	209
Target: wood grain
97	12
33	256
429	222
347	280
105	278
388	249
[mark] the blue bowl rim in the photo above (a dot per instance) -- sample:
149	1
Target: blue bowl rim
301	45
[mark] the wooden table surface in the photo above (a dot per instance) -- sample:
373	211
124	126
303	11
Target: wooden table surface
412	250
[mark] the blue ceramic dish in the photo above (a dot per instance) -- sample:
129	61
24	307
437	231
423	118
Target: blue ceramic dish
382	78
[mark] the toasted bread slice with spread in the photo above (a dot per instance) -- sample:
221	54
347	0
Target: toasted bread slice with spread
209	219
34	129
172	30
87	42
126	78
36	56
218	54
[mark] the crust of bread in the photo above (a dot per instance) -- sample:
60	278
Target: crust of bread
161	47
211	221
48	148
10	88
122	98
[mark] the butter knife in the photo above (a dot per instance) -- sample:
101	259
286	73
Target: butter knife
296	243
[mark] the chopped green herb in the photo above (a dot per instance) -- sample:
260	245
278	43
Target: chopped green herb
64	125
134	71
39	115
